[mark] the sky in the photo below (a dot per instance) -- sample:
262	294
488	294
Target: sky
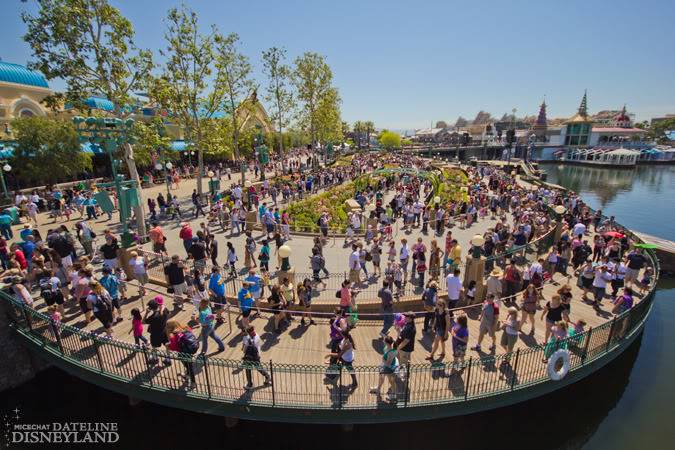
407	64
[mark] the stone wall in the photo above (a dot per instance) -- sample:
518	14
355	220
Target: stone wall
17	364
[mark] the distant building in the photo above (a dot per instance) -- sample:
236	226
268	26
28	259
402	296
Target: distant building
656	120
21	93
578	128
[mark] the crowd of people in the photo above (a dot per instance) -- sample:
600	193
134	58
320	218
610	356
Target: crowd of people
63	271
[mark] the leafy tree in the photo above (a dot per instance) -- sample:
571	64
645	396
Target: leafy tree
389	139
461	122
150	137
279	94
441	124
235	75
658	129
184	86
47	150
89	44
313	78
328	122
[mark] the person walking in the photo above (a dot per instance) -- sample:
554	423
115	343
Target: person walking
174	273
441	329
387	308
182	340
156	317
388	369
345	356
251	344
207	322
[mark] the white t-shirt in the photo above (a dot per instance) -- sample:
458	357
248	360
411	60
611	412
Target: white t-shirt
578	229
354	263
454	286
138	265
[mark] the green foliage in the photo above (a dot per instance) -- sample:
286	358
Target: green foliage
658	129
389	139
319	113
89	44
150	137
47	150
278	91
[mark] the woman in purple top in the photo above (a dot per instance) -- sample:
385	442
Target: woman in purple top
460	339
623	302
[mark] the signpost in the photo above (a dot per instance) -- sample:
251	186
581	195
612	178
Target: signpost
111	134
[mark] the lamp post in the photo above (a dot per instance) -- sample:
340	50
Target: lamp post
559	211
261	151
5	168
476	245
112	133
191	153
165	165
214	185
285	254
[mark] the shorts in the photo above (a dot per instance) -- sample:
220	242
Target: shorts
105	317
530	307
180	289
587	283
354	276
116	303
404	264
158	247
141	277
509	340
246	313
459	350
111	263
386	370
200	264
441	334
84	305
218	302
486	327
632	275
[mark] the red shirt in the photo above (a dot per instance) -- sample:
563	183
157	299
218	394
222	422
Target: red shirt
185	233
21	258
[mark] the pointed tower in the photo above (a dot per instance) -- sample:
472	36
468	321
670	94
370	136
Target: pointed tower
583	107
578	128
540	125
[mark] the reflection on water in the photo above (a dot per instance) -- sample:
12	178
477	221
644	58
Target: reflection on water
635	196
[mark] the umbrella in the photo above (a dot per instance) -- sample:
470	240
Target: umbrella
614	234
646	246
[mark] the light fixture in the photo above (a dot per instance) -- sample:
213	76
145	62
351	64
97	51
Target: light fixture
6	167
210	173
284	251
560	209
437	199
169	165
158	166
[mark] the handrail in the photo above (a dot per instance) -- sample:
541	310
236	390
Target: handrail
217	382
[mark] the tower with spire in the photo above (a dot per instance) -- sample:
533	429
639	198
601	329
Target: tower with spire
622	120
578	127
541	125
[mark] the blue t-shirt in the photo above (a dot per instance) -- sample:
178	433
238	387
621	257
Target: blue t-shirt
28	248
5	219
255	284
111	284
216	286
25	232
206	317
460	332
245	299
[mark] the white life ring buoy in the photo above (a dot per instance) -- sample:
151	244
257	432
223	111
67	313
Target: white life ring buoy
554	360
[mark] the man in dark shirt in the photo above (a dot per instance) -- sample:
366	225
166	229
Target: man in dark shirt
175	276
635	261
198	253
387	299
406	342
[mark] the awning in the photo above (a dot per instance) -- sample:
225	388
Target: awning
179	146
94	149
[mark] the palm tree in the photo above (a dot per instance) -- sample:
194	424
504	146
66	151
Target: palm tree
358	130
369	129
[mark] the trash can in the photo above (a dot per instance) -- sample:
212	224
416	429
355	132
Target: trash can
13	212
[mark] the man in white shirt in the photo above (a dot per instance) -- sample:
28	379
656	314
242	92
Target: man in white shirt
418	206
454	287
602	277
354	265
579	228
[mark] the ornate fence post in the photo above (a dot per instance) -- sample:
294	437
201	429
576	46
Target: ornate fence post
515	369
468	379
206	373
340	389
588	341
273	383
98	355
407	385
611	333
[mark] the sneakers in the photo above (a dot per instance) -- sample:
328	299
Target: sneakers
477	348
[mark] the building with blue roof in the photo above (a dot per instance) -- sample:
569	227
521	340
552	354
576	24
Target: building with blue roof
21	93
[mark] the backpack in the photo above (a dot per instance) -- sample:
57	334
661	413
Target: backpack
187	343
368	257
251	352
103	304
